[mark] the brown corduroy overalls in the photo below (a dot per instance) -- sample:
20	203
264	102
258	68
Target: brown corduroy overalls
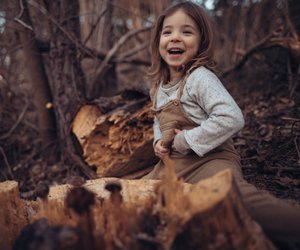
281	221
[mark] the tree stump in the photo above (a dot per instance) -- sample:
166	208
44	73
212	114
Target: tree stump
146	214
12	214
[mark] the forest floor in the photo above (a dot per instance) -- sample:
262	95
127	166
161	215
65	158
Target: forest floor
269	144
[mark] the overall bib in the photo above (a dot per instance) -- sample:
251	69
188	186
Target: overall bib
191	168
279	220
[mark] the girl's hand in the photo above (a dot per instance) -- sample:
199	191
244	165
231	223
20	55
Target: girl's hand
159	150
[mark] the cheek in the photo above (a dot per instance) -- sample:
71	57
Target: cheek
161	48
195	50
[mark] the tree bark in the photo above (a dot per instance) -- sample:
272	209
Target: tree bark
64	71
12	214
37	74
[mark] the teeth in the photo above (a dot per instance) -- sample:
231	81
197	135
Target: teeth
175	51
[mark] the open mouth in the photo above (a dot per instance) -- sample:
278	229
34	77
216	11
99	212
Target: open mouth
175	51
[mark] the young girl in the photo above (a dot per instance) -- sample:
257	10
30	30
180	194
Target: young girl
195	116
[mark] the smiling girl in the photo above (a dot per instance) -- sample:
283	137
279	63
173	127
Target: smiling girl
195	116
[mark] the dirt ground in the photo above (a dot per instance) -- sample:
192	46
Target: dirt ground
269	144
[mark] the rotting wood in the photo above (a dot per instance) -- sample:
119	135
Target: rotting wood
119	142
12	213
167	214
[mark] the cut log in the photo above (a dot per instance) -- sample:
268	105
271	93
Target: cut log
12	214
147	214
117	143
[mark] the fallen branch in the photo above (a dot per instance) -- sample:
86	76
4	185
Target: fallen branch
85	169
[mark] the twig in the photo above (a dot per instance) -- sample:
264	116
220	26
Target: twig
101	55
290	118
17	18
293	127
94	26
147	238
85	169
6	163
16	123
21	9
258	46
116	47
133	51
297	147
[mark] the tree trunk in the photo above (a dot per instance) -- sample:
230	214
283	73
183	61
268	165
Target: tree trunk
64	71
40	85
146	214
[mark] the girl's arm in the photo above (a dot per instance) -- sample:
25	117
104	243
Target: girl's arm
156	131
223	116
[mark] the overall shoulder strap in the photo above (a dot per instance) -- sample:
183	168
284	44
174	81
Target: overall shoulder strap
181	87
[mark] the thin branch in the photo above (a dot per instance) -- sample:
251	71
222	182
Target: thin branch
94	26
117	46
17	18
258	46
85	169
133	51
16	123
21	9
101	55
6	163
297	147
23	24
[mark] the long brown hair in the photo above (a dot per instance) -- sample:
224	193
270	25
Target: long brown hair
159	69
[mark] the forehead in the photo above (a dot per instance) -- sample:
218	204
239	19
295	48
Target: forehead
179	18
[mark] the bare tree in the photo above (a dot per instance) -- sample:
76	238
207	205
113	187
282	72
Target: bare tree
36	71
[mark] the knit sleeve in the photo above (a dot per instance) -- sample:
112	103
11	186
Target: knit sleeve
156	131
224	117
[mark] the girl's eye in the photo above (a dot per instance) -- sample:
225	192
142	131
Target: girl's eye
166	32
187	32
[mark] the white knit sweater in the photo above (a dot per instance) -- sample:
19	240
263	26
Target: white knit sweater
208	103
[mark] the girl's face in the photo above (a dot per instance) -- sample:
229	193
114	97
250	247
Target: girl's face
179	41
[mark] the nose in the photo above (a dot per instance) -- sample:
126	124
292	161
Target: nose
175	37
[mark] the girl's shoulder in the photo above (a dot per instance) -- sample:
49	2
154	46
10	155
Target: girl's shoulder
202	75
